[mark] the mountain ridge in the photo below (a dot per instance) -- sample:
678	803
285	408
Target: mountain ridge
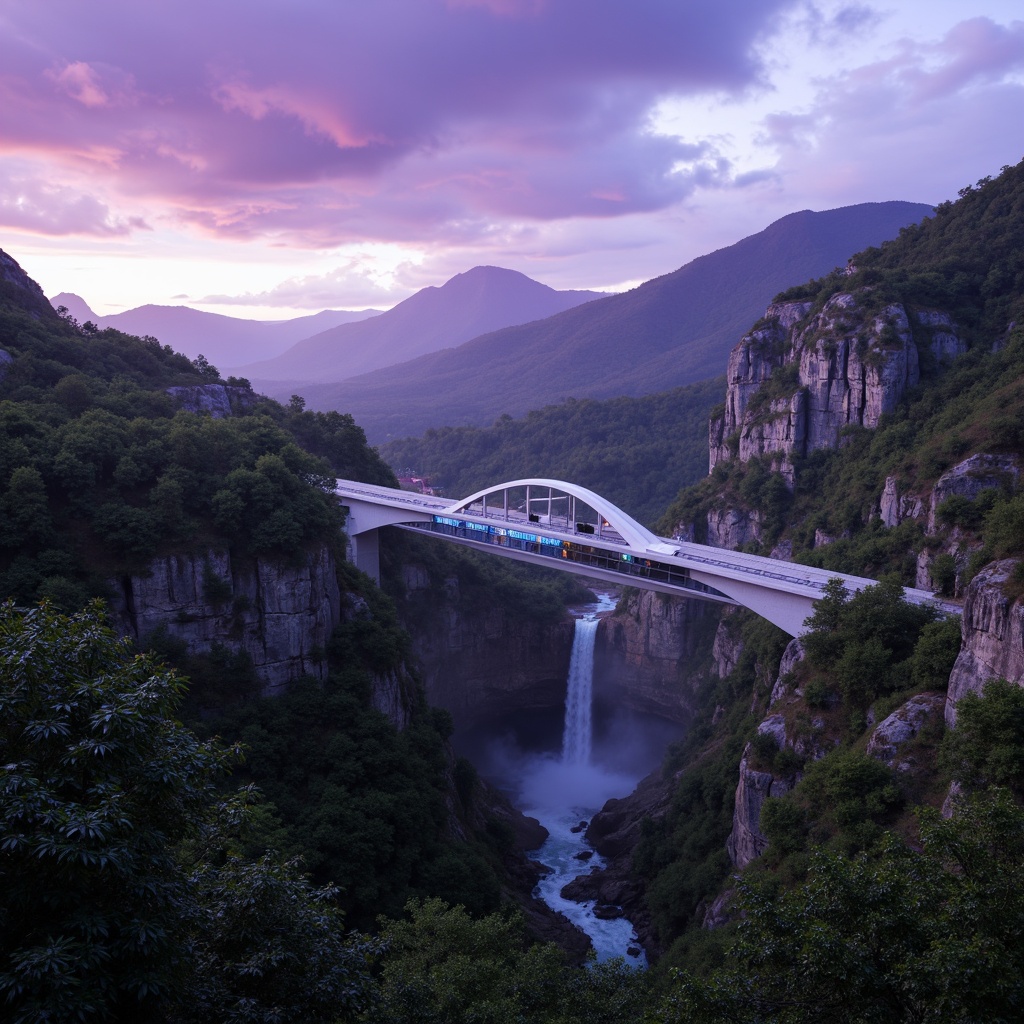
673	330
475	302
214	335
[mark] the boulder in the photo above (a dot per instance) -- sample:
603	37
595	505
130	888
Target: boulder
894	732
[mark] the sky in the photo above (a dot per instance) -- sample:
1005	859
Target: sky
278	157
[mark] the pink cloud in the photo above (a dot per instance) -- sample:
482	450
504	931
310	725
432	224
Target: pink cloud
328	122
27	204
81	83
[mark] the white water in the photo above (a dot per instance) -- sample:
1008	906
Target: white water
563	793
579	694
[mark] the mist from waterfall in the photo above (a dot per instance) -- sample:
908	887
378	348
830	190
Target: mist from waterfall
600	757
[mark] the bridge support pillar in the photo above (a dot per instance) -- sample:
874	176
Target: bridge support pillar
365	549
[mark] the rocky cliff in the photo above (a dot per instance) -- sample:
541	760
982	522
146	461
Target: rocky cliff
799	378
216	400
482	662
645	653
992	631
280	614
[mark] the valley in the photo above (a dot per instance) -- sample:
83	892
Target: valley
722	791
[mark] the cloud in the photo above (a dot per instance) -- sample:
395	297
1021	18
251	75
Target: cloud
324	122
28	204
81	83
927	114
354	284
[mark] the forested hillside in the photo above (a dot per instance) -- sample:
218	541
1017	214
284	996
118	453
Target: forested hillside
831	756
103	464
636	452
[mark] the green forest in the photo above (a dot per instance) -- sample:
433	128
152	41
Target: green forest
176	846
636	452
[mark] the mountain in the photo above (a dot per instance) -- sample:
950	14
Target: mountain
480	300
671	331
222	339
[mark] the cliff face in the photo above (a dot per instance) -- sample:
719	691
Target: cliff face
280	615
482	662
217	400
796	380
643	655
992	632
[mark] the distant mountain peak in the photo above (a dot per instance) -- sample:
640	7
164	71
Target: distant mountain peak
75	305
477	301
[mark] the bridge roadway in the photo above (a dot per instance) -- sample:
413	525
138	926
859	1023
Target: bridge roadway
563	526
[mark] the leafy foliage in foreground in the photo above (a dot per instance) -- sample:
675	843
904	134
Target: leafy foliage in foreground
905	935
126	887
441	965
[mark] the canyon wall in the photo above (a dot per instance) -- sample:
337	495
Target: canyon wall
992	632
280	614
644	654
480	661
796	380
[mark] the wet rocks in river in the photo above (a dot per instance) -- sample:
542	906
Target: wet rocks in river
577	829
583	855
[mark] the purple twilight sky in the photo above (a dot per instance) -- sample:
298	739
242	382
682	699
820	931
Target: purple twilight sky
281	156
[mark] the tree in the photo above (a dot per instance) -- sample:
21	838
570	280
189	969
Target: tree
98	782
987	746
923	936
440	965
265	946
128	890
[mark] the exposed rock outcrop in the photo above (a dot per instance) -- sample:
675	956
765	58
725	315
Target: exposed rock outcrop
892	734
280	614
218	400
733	528
747	842
16	285
797	380
992	632
894	507
719	912
644	654
791	657
943	340
972	476
727	647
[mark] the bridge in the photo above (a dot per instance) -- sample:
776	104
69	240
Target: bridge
563	526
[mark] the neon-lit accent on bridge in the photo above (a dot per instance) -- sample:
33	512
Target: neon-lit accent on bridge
563	526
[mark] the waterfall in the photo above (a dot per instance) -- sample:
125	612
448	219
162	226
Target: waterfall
578	697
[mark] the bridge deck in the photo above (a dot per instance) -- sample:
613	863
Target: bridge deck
781	591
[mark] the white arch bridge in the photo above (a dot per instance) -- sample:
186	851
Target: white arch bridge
563	526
